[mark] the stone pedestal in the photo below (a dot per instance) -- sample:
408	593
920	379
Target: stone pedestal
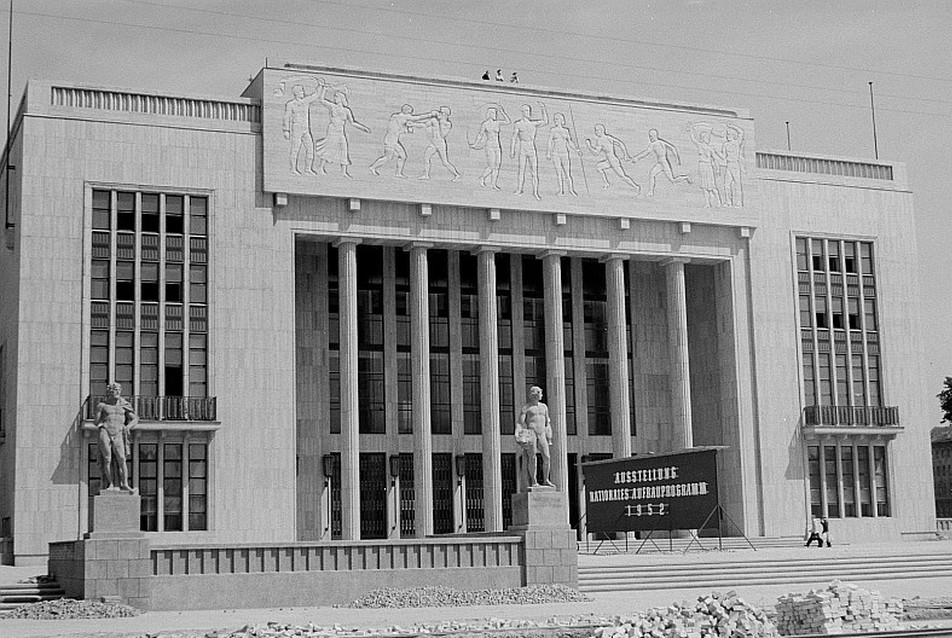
115	512
113	561
551	554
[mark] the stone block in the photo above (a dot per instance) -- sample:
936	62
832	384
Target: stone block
534	557
140	568
105	550
105	587
539	507
117	569
552	557
97	569
115	511
543	575
129	548
128	588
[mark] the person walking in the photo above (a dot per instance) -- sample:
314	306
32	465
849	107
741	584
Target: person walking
815	532
825	532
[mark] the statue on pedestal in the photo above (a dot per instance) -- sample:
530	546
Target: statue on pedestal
534	435
115	417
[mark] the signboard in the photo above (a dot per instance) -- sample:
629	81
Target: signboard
670	491
337	133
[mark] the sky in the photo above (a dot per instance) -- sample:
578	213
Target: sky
807	62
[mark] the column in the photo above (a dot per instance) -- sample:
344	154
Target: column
619	388
349	402
489	390
555	367
682	435
420	366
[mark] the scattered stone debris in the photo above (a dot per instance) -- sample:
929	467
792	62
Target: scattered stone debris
713	616
840	608
41	579
449	597
578	627
927	608
68	609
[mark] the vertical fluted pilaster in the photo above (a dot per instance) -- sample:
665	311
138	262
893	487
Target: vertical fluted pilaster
349	401
420	366
682	435
619	388
555	367
489	391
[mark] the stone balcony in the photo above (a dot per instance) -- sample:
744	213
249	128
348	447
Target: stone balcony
165	412
850	420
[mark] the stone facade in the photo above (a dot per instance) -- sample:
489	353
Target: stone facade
707	307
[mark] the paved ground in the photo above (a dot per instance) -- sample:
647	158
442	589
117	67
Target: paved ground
604	604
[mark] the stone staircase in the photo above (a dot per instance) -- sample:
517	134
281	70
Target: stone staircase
662	544
14	595
811	567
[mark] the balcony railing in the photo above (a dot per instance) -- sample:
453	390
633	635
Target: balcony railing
164	408
846	416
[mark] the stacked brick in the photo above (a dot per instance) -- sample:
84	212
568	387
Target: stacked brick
840	608
712	616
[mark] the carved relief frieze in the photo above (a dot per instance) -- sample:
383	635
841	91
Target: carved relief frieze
481	145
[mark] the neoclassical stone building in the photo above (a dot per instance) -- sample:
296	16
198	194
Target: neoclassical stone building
327	299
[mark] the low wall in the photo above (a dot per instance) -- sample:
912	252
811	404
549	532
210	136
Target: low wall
943	525
299	574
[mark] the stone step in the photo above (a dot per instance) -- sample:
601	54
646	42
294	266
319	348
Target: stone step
751	573
817	580
16	594
836	562
29	587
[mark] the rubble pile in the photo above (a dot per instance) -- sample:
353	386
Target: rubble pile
713	616
68	609
488	628
840	608
450	597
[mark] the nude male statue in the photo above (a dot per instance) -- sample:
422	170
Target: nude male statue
534	435
297	127
115	418
524	143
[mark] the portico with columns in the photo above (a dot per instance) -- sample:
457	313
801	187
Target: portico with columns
609	343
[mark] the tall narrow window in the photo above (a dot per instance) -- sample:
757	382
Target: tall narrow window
504	326
865	486
150	213
149	486
126	212
832	482
879	476
198	365
102	210
813	463
172	486
474	493
441	421
826	381
849	483
842	381
197	486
